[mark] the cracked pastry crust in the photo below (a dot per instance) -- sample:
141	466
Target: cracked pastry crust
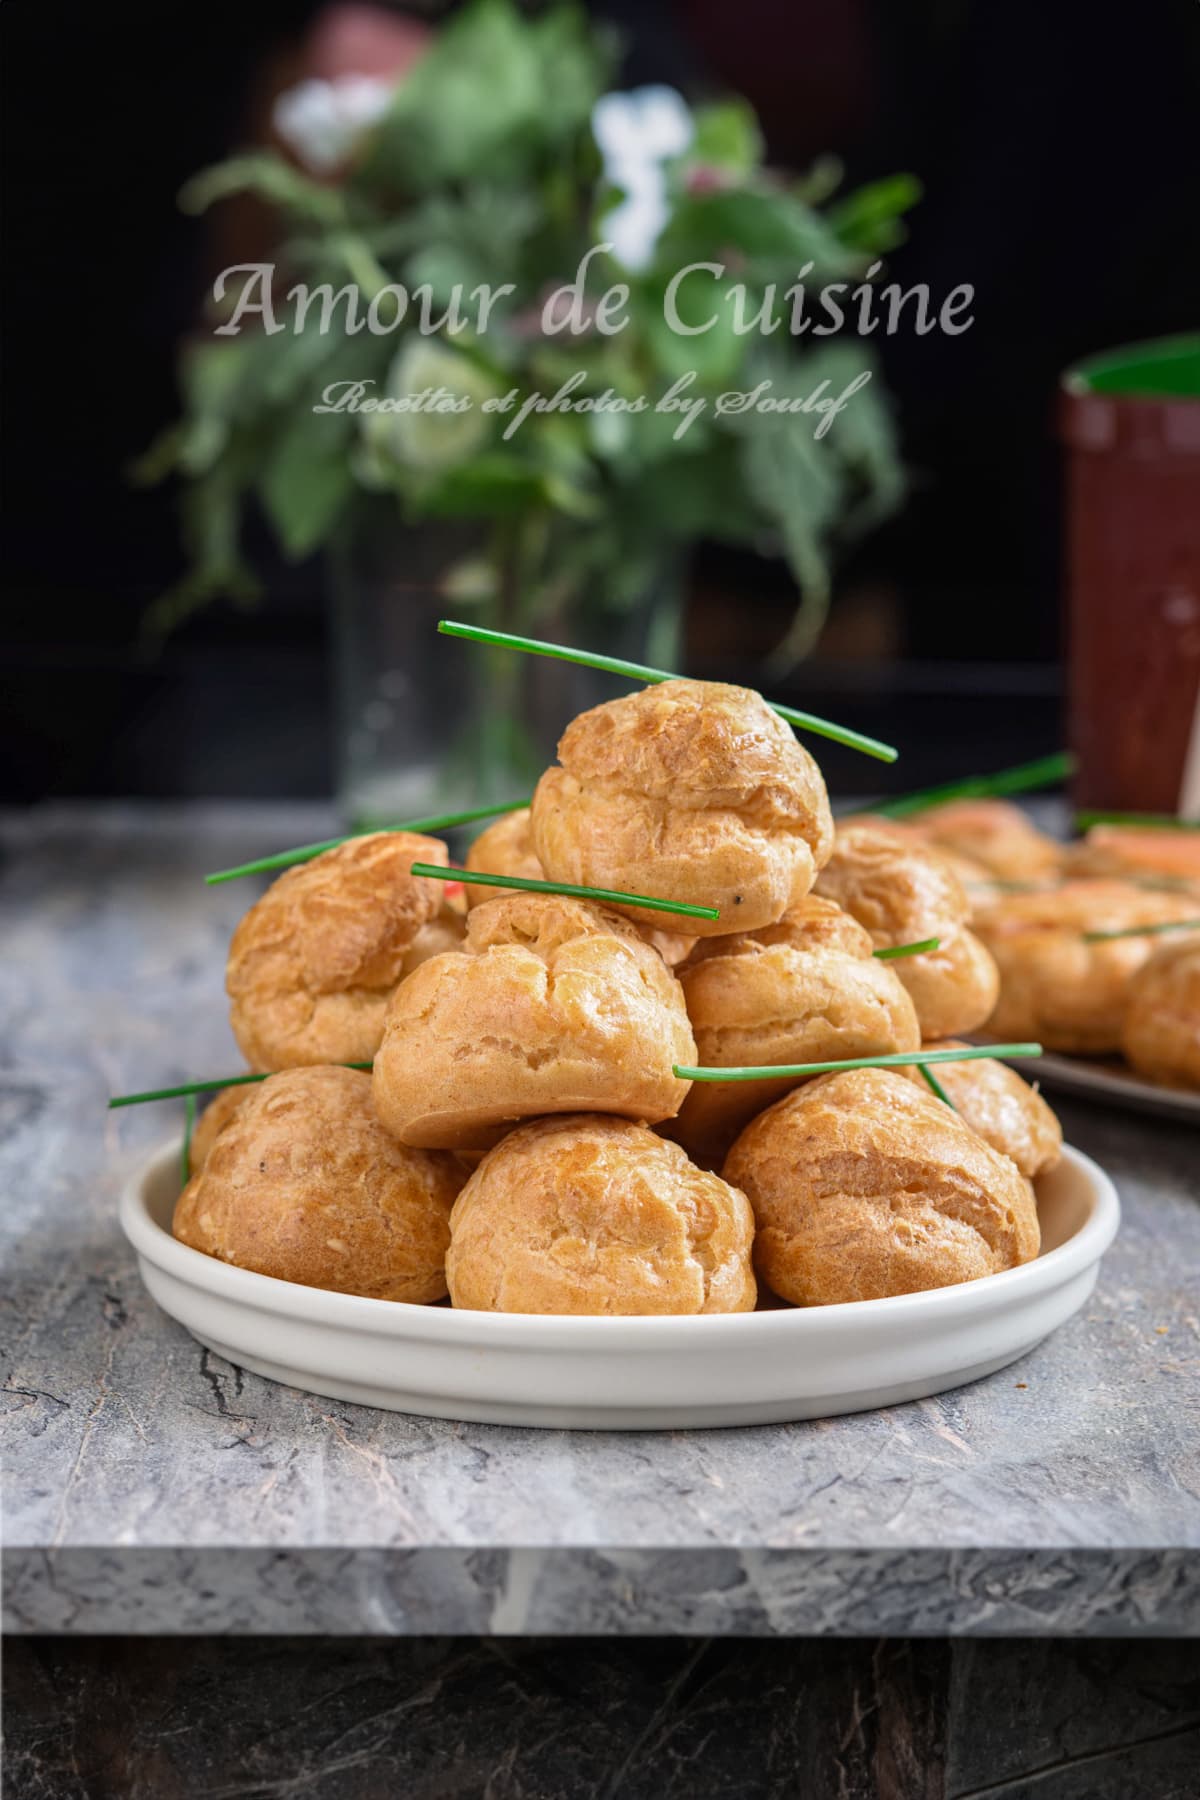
898	890
693	791
592	1215
978	882
902	892
1161	1037
1007	1112
313	963
1054	986
304	1184
864	1187
506	848
552	1005
807	989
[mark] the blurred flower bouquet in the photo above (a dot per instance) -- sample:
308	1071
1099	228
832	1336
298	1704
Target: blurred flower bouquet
498	162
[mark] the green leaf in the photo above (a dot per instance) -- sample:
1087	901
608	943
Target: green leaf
726	137
871	218
862	437
213	375
493	94
712	349
265	173
159	459
307	481
794	479
307	474
767	225
821	179
578	60
210	518
295	361
697	493
495	485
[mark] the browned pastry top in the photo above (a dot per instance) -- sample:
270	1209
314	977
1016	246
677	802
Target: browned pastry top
696	744
313	963
863	1187
900	891
693	791
552	1005
592	1215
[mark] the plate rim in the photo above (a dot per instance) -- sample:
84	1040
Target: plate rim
389	1318
1088	1079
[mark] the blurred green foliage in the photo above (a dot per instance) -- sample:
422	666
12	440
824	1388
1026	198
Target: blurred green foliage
484	171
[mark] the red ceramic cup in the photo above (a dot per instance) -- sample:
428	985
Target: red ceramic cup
1131	422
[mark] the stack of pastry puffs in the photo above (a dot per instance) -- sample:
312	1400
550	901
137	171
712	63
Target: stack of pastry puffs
522	1142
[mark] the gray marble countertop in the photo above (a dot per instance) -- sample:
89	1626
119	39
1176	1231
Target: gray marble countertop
151	1487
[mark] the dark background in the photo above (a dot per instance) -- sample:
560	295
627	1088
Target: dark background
1059	152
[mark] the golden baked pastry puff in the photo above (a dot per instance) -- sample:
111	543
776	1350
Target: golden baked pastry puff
304	1184
863	1187
552	1005
903	893
693	791
995	833
1006	1111
593	1215
805	990
1161	1037
313	963
1056	986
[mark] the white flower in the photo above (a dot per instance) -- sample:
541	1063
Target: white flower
636	133
322	121
646	125
427	436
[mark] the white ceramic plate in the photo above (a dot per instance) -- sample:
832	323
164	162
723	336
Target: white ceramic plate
1111	1082
627	1374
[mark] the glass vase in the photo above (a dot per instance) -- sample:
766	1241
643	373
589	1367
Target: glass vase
428	724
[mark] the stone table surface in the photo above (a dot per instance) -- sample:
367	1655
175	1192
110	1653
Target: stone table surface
152	1487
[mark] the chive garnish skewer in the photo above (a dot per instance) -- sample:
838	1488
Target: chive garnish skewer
284	859
890	952
901	1060
1104	937
932	1081
1151	821
614	896
1022	779
203	1087
612	665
